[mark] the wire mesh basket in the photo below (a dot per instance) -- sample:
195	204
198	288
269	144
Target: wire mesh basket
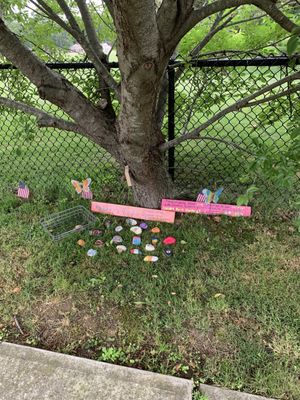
67	222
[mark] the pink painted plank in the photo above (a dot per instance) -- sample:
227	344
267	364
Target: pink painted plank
147	214
185	206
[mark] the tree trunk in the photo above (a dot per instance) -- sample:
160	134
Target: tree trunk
147	167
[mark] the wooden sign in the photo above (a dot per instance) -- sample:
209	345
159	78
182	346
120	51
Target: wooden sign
147	214
185	206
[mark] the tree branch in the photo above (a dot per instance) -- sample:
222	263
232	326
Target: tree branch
89	27
43	119
243	103
202	13
68	13
97	124
75	31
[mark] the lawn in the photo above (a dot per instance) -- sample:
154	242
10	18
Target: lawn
224	309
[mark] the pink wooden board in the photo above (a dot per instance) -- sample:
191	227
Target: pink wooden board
185	206
147	214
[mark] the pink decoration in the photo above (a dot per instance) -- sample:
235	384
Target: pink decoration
87	195
169	240
201	198
148	214
185	206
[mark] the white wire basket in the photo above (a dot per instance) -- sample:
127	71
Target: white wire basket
67	222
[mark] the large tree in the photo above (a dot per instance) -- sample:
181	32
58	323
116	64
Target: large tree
148	33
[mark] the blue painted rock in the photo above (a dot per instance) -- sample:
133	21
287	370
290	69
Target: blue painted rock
136	240
91	252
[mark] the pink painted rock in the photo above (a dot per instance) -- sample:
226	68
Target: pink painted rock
169	240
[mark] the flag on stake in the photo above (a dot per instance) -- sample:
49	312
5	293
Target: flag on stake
23	191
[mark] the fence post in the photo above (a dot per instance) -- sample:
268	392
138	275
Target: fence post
171	119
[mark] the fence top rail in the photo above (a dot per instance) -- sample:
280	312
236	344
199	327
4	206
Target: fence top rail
212	62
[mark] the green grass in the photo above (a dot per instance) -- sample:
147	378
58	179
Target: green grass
224	309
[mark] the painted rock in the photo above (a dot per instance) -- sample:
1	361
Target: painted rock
135	251
107	223
117	239
81	243
91	252
119	228
169	240
136	240
151	259
121	249
131	222
168	252
78	227
136	230
149	247
155	230
99	243
96	232
143	225
154	241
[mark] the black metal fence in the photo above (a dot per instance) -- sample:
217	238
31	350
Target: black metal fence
197	90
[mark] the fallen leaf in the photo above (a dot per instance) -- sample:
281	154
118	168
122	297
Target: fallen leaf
217	295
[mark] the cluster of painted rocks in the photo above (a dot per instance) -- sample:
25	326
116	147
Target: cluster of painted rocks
136	242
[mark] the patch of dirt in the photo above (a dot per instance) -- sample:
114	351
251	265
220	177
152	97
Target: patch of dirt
60	322
207	343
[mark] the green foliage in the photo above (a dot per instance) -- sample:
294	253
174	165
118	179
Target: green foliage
244	36
294	42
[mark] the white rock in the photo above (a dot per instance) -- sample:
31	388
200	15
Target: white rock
149	247
136	230
121	249
131	222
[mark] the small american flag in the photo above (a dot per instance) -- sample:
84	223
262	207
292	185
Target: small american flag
87	195
201	198
23	191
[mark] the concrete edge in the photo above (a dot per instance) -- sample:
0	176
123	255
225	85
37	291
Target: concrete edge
182	387
218	393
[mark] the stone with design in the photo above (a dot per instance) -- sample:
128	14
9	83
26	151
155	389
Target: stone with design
81	243
154	241
169	240
149	247
99	243
152	259
131	222
91	252
136	240
96	232
155	230
119	228
143	225
117	239
168	252
136	230
121	249
135	251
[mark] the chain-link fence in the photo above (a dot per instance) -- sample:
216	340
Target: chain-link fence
197	91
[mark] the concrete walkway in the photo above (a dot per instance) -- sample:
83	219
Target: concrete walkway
32	374
216	393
